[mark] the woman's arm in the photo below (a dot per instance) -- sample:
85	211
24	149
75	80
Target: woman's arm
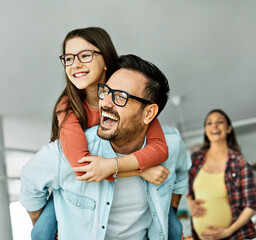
217	232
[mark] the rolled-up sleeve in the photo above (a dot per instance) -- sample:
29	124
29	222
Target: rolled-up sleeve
182	167
38	175
179	159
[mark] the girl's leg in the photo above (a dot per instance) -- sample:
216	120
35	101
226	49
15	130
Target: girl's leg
46	225
175	228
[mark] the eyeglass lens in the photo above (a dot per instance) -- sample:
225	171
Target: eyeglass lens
119	98
84	57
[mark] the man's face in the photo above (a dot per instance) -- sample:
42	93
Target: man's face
120	125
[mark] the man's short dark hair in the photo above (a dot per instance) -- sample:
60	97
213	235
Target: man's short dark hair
157	89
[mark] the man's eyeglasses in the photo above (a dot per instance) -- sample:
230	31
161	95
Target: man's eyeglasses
84	56
119	98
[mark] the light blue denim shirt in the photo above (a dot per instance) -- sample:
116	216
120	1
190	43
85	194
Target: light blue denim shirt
82	209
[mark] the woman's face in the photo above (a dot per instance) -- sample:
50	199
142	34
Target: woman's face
216	127
85	75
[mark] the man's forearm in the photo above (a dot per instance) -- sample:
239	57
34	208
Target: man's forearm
35	215
175	201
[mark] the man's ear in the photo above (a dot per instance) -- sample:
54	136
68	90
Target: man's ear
150	112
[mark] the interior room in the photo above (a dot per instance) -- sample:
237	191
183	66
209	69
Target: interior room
206	49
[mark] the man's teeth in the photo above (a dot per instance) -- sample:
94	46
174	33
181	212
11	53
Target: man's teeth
109	116
79	74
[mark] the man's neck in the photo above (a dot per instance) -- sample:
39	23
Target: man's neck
127	146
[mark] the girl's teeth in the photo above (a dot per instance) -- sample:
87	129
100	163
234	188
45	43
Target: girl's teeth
79	74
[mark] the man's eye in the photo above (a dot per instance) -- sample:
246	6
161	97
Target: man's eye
120	98
208	123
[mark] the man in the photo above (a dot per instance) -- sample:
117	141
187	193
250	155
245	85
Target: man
130	208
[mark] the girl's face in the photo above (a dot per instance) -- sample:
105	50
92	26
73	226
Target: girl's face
85	75
216	127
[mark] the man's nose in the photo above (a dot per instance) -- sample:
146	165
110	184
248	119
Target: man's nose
107	101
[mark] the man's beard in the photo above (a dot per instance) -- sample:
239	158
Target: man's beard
125	132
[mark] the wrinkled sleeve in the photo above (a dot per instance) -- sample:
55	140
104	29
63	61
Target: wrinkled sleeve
37	176
182	168
156	149
248	186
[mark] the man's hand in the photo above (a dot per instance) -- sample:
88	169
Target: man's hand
216	232
98	168
35	215
195	206
157	174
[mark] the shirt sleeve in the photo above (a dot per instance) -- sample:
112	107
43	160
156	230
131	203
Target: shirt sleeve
248	186
156	149
72	138
183	164
37	176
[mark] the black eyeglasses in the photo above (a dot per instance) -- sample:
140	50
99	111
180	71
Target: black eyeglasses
119	98
84	56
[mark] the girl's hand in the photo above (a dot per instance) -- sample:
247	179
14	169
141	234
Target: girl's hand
98	168
156	174
195	206
216	232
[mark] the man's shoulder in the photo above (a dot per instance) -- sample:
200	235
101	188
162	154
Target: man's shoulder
91	134
178	153
172	135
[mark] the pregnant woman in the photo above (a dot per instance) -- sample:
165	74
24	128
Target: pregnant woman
222	197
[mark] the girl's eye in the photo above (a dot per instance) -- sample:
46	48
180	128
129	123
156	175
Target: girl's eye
85	55
68	59
208	123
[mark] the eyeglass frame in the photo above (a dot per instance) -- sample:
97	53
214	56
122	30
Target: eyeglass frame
113	96
76	55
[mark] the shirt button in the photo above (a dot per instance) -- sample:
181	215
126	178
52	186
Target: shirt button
78	204
160	233
103	227
154	214
171	187
147	193
108	203
233	174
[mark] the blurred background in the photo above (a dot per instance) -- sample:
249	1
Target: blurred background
207	49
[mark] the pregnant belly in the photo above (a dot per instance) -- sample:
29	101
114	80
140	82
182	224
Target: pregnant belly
218	214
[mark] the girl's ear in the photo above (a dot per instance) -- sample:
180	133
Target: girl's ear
105	68
150	112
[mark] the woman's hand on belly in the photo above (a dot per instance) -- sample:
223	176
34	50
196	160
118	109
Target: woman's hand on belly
196	208
215	232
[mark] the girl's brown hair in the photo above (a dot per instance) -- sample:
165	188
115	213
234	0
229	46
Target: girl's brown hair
231	137
75	97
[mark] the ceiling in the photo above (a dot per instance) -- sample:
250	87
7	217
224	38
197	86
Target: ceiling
207	49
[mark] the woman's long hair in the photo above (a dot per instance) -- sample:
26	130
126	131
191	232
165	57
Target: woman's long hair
231	137
75	97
